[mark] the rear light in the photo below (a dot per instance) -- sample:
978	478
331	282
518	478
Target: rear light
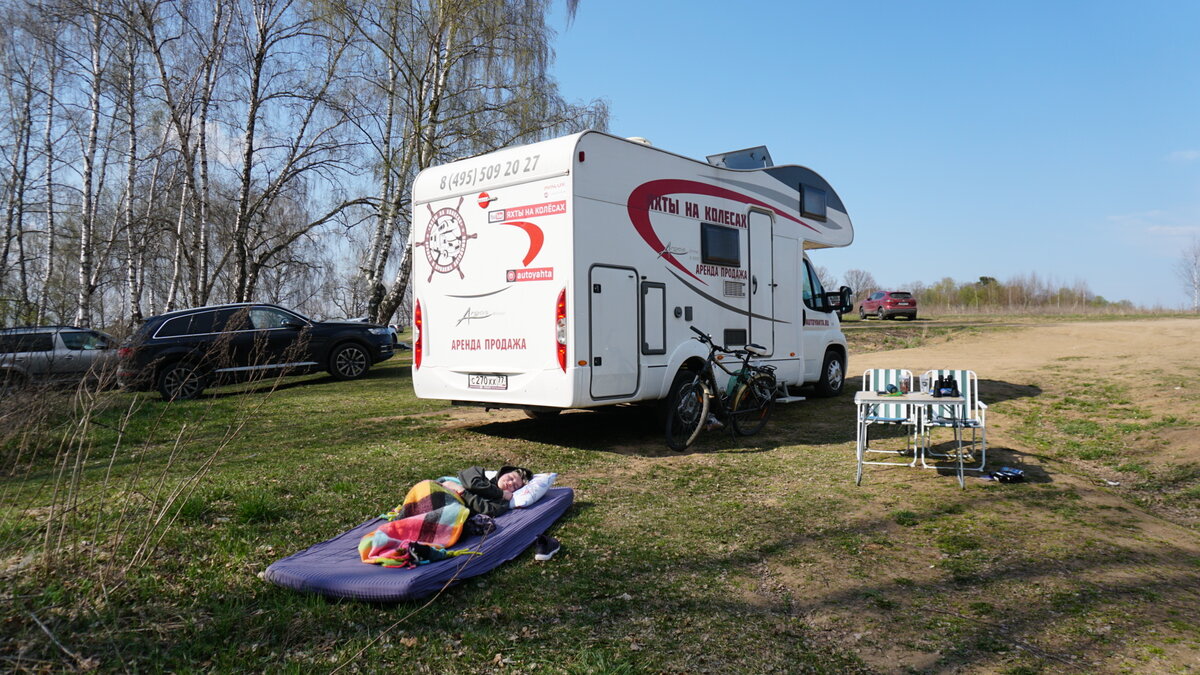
560	328
418	336
124	352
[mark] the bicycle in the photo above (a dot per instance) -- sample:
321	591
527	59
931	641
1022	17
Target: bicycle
745	403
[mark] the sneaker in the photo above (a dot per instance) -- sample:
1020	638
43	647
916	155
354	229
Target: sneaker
713	424
545	547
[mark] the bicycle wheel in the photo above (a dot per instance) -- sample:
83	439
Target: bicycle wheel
752	404
687	408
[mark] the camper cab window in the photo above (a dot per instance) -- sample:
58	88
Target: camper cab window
814	292
720	245
812	202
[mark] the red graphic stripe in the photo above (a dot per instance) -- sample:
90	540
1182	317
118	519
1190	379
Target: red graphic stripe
535	239
639	213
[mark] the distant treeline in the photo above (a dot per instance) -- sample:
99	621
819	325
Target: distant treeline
1029	294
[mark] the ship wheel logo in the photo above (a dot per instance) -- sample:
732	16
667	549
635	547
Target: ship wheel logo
445	240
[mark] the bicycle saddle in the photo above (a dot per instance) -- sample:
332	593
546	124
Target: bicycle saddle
757	350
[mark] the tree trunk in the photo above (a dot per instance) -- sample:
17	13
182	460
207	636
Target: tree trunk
88	212
48	143
132	292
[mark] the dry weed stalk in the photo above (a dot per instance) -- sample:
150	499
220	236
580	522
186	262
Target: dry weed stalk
106	525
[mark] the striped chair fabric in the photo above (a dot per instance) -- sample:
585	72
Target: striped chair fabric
888	413
967	415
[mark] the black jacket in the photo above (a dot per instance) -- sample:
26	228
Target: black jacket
482	495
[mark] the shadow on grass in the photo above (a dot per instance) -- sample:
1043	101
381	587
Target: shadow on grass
625	430
637	429
286	381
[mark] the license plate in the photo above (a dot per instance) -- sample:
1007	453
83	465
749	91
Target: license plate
487	381
902	304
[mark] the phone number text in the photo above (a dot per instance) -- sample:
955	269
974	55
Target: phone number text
490	172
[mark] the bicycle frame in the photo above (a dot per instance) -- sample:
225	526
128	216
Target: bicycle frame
745	403
738	378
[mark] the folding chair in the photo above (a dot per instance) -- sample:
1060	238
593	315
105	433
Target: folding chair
878	379
971	414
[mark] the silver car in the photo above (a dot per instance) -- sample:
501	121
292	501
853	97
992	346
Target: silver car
54	354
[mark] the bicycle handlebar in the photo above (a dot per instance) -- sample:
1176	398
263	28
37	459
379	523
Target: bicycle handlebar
707	339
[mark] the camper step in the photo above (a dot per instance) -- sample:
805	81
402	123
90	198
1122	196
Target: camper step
788	399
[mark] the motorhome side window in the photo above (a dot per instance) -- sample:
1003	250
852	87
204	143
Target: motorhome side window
720	245
812	202
814	292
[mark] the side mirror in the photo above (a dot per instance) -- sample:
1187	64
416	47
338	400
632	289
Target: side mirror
847	298
293	324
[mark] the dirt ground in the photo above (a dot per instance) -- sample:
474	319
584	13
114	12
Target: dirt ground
1093	566
1154	364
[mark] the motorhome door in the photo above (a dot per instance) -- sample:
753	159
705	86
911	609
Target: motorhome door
613	331
762	280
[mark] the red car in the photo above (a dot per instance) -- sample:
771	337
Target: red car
888	304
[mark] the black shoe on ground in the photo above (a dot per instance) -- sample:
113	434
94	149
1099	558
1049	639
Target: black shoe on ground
545	547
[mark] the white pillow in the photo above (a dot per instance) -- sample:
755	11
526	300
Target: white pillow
534	490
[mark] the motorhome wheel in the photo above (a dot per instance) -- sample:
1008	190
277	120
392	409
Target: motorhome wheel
833	375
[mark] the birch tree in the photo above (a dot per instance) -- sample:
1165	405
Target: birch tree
290	65
451	78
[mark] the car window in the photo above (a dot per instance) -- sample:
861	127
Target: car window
234	319
84	341
901	296
266	318
190	324
27	342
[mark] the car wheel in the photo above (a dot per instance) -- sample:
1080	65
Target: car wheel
180	382
349	362
833	375
862	314
879	314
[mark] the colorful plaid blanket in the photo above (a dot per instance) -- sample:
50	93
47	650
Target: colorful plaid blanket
430	519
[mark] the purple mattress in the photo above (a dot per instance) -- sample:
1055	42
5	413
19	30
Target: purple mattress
333	568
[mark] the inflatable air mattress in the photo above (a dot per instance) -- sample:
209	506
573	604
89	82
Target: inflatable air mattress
334	569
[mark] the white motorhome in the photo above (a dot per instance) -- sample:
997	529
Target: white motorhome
566	273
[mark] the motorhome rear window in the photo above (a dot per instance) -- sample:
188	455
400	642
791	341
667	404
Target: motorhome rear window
720	245
812	202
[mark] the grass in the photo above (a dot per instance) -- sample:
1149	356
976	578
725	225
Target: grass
754	554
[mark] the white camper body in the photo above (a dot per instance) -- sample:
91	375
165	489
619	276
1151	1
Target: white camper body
566	273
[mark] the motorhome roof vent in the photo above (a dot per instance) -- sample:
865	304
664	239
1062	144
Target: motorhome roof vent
639	139
750	158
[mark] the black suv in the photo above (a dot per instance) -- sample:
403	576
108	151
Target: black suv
180	353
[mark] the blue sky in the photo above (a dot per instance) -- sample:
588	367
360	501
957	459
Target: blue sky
965	138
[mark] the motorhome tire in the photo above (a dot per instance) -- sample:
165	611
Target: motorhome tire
833	375
752	405
687	409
